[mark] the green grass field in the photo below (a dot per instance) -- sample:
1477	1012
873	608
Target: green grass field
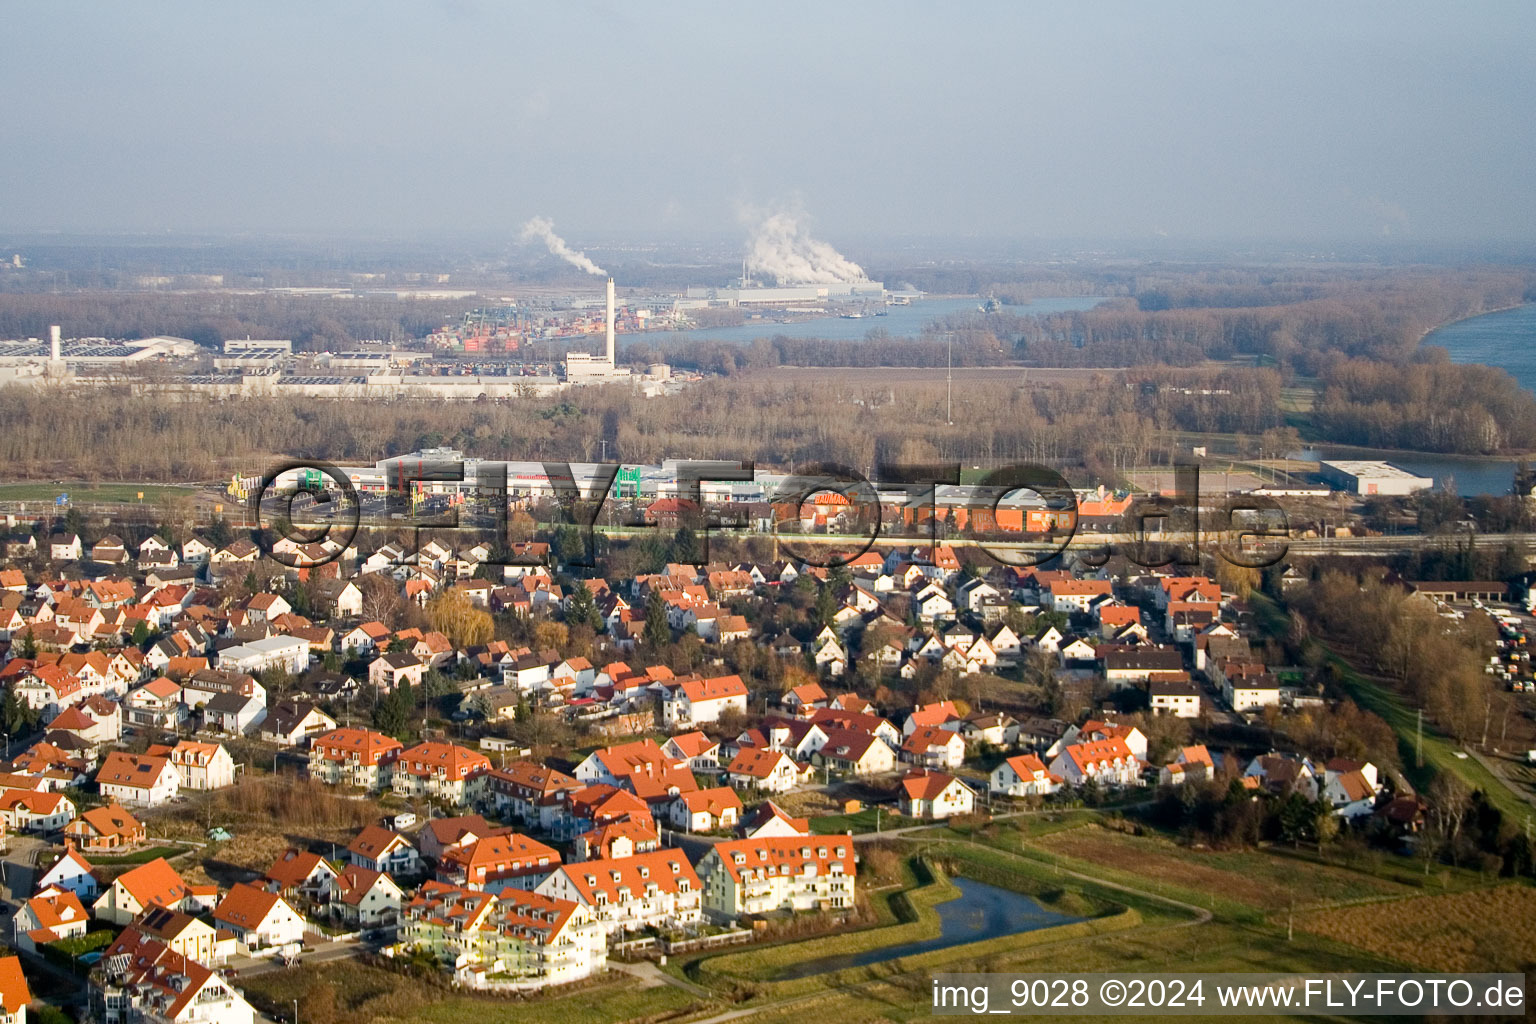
1007	833
1261	879
862	821
81	492
140	856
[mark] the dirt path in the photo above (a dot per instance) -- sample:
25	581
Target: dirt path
650	976
1496	769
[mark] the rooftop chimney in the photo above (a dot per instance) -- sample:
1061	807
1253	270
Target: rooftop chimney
55	346
611	360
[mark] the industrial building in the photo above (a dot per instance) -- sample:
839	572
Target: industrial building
582	368
1015	510
1367	478
533	480
791	295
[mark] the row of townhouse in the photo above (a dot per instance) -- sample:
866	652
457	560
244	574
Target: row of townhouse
371	761
509	940
761	876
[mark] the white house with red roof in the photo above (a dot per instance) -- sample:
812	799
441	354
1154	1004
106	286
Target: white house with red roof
156	705
48	689
1191	764
380	849
71	871
52	914
1073	595
697	701
365	898
155	884
759	876
300	873
1350	787
1023	775
657	889
933	795
143	979
93	729
200	765
14	992
28	810
943	714
355	757
259	919
443	834
363	639
138	780
804	699
1110	762
573	673
759	768
612	765
617	839
933	747
705	810
768	820
1095	729
693	750
855	752
441	771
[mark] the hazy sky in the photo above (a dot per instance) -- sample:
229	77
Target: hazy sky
1127	121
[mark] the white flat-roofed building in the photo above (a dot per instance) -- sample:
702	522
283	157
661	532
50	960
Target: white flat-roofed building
289	653
1365	477
234	345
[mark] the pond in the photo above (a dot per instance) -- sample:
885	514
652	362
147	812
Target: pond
980	912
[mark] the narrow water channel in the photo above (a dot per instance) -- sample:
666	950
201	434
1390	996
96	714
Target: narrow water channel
980	912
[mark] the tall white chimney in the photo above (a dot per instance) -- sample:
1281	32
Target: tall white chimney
611	360
55	346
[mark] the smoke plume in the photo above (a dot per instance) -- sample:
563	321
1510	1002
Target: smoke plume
781	248
544	229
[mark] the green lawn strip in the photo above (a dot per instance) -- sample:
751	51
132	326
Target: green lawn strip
859	822
80	491
1004	833
141	856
